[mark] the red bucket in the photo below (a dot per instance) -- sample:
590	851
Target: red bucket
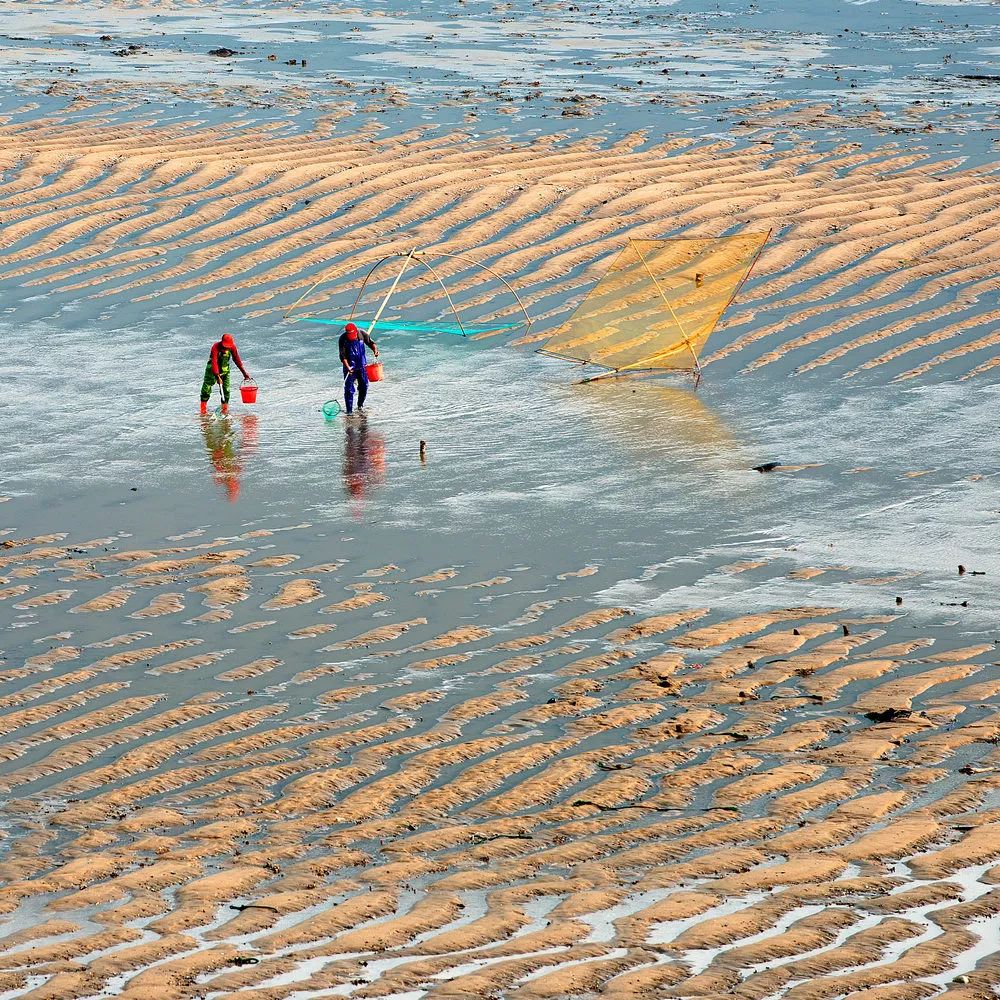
248	390
374	371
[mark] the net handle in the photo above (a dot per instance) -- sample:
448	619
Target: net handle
392	288
417	254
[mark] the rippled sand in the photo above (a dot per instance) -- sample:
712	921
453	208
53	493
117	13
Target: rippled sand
579	705
881	256
563	801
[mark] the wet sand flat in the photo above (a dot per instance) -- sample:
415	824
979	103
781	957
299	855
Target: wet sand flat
513	687
688	802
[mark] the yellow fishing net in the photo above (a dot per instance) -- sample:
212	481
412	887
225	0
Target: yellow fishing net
658	303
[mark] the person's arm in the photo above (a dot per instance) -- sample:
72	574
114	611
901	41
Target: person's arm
214	357
239	363
343	355
370	343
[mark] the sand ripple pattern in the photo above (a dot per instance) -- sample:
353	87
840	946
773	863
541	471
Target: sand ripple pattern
883	260
574	800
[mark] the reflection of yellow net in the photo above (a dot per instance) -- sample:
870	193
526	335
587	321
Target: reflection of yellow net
658	303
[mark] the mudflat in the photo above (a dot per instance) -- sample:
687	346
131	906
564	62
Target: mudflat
568	701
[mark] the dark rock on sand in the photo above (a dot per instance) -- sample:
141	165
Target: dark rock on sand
889	715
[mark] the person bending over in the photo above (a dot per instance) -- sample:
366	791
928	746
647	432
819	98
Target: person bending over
352	357
217	371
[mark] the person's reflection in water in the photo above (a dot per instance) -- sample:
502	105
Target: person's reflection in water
228	449
364	460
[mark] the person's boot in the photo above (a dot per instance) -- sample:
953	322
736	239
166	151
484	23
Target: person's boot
204	407
225	409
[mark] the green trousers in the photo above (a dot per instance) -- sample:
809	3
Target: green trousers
209	383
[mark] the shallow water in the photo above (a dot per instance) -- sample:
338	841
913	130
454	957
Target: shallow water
653	475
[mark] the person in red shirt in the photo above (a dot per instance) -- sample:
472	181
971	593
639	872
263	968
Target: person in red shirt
217	371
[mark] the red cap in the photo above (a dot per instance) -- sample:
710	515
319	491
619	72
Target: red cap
352	331
227	340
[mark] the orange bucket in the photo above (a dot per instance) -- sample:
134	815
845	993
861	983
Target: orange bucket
248	390
374	371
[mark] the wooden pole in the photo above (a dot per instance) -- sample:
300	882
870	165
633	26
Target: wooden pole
392	288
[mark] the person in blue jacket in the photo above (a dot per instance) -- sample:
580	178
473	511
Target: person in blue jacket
352	357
